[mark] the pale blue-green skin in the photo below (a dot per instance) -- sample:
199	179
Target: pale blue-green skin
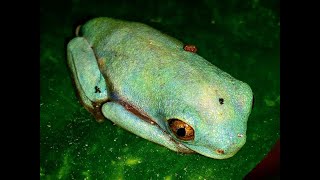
135	63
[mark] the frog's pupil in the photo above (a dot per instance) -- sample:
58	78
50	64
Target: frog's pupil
181	132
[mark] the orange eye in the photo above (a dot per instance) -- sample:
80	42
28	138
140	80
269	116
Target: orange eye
181	129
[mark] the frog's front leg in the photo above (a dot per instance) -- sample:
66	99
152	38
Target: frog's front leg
131	122
90	83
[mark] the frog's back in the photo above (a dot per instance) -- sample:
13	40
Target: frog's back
137	58
134	49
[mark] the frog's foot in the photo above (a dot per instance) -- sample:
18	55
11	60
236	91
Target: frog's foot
90	83
119	114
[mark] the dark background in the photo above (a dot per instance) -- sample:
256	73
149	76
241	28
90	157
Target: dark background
240	37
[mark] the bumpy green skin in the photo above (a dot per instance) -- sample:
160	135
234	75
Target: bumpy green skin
152	72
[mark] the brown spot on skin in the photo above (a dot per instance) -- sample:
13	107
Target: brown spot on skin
190	48
96	111
240	135
220	151
101	62
136	112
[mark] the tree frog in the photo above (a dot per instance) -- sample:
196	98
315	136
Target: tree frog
158	88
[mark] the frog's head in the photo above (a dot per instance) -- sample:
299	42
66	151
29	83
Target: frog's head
212	122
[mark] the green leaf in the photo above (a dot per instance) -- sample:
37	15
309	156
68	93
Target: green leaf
241	38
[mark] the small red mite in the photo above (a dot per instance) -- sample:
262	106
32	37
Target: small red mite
190	48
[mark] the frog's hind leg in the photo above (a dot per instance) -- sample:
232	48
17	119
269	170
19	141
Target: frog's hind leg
90	83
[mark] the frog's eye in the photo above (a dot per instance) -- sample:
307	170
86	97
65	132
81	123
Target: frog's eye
181	129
